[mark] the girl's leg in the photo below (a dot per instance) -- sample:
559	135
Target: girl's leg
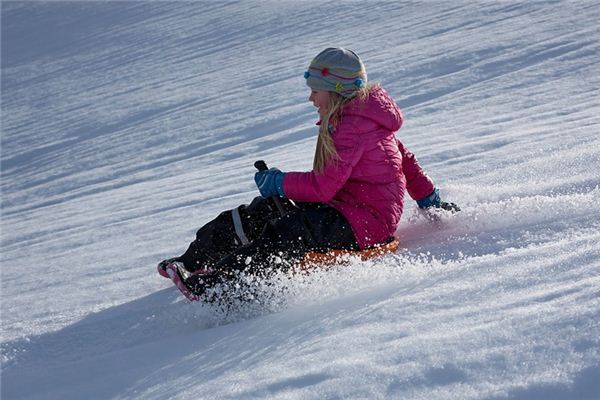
231	230
283	242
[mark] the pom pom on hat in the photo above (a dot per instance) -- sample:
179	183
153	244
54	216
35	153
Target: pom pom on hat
336	69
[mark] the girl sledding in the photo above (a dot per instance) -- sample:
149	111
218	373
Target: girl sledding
351	201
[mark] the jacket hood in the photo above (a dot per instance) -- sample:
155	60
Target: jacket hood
379	107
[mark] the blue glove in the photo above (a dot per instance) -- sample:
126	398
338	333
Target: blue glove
270	183
434	200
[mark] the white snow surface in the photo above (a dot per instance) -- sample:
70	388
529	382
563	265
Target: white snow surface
128	125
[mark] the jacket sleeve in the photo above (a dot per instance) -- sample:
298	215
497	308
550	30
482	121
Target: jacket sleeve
418	184
314	187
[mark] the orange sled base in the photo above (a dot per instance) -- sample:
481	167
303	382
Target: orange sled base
315	259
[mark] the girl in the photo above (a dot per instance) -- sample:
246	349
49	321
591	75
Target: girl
352	199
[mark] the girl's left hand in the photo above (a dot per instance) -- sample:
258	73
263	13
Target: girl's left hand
270	183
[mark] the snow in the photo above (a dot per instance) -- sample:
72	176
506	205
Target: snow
128	125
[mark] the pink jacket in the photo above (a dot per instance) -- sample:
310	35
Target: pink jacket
368	181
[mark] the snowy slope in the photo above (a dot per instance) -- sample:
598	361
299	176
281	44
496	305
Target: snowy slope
127	125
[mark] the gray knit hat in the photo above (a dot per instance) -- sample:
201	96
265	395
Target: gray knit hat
336	70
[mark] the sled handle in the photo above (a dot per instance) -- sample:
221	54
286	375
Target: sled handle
262	166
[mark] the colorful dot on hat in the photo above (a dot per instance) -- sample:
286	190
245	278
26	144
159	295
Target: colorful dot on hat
339	86
306	74
324	72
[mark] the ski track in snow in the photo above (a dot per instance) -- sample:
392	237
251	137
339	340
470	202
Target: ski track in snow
127	125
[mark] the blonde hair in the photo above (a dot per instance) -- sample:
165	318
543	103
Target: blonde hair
325	150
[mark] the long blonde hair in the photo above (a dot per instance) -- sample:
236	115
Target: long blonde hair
325	150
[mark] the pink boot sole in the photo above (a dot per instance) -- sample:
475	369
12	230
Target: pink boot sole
162	272
171	270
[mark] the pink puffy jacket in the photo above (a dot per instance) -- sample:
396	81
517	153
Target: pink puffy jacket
367	183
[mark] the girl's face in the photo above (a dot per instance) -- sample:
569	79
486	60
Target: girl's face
320	99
